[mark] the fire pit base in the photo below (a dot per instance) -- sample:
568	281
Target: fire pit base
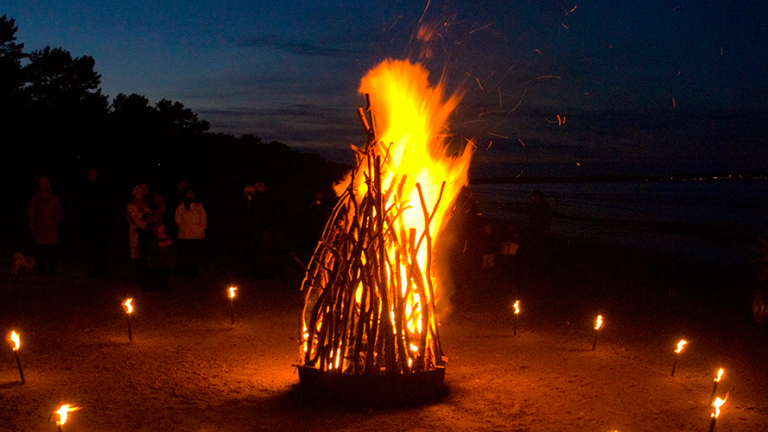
374	390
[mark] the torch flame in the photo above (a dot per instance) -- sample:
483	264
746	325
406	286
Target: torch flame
599	322
717	404
517	307
232	291
128	307
62	412
680	346
16	340
719	374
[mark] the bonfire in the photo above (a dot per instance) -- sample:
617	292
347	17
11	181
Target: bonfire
371	289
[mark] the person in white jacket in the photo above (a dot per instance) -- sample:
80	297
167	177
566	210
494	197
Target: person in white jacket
192	221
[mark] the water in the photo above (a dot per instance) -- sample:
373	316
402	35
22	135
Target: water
711	220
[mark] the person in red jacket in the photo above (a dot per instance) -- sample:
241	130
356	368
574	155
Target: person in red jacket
44	214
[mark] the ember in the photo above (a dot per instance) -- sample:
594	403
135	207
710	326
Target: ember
371	289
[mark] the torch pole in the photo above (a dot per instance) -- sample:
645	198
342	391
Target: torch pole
232	309
714	390
59	428
515	328
18	363
674	365
594	341
130	333
713	424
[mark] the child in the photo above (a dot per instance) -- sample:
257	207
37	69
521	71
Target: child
160	258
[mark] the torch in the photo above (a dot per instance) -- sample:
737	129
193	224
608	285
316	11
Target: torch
717	404
128	311
679	349
598	324
62	412
16	344
517	314
232	290
714	387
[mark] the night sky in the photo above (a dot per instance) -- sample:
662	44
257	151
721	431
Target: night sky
639	87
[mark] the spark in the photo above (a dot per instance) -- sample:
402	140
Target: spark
478	83
574	8
489	145
566	27
674	104
425	11
500	136
521	142
538	51
578	164
483	27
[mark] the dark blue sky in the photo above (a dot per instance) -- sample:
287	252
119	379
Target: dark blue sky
644	87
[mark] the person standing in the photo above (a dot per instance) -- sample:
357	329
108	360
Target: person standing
44	213
192	222
137	212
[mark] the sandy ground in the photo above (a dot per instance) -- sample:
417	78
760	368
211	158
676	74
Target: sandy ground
187	369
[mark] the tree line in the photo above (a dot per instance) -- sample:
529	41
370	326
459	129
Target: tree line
55	121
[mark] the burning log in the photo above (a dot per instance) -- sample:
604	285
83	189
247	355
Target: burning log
370	290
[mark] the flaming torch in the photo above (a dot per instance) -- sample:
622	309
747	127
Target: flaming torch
16	344
62	412
517	314
717	404
232	290
714	387
129	310
598	324
679	349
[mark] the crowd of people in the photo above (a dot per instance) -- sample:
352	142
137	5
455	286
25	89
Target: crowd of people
166	237
165	240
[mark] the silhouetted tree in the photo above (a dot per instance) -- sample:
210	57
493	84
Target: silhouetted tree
178	120
11	78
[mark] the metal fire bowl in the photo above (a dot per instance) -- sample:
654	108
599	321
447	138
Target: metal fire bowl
373	390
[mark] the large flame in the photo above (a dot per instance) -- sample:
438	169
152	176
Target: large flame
16	340
517	307
232	290
680	346
411	119
411	122
62	412
598	322
407	169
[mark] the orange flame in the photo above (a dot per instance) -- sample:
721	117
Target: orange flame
232	290
62	412
599	322
717	404
128	307
680	346
420	180
411	118
16	340
719	374
517	307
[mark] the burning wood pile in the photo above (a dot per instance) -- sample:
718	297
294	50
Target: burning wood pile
371	288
